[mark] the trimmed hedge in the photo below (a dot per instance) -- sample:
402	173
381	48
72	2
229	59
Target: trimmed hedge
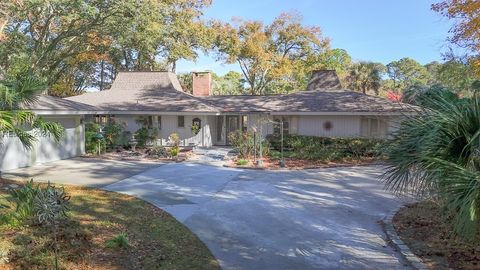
328	149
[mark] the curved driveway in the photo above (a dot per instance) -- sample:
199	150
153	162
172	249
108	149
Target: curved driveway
312	219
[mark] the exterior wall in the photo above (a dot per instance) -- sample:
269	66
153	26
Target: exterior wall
13	155
169	125
340	126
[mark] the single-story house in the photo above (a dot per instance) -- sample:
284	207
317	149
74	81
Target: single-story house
156	100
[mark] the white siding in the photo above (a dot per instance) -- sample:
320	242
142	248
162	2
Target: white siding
340	126
13	155
169	125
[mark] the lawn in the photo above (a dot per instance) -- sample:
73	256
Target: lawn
155	239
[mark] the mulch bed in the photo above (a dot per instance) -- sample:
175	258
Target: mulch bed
428	233
301	164
140	154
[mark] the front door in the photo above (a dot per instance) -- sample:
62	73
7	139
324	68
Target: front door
233	124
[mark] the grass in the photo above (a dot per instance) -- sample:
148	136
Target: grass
155	239
428	232
242	162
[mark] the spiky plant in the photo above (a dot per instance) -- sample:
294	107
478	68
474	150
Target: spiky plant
14	95
437	152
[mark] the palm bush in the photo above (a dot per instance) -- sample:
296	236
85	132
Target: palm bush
437	153
13	119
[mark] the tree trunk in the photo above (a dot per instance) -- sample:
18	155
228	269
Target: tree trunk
102	69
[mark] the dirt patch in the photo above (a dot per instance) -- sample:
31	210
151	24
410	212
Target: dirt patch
428	233
155	239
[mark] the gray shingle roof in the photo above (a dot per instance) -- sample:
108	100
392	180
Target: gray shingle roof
161	92
49	103
309	101
145	91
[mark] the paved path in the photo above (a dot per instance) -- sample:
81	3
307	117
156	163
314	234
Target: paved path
313	219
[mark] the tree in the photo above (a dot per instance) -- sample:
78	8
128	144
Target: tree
466	27
232	83
406	73
17	121
273	58
340	61
78	44
366	76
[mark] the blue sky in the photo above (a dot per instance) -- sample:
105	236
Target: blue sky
373	30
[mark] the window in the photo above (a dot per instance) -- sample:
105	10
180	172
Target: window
150	122
373	127
159	122
196	125
181	121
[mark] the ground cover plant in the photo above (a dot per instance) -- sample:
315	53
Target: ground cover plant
104	230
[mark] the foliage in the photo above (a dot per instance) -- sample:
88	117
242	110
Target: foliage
174	139
436	153
195	129
232	83
113	133
406	73
144	136
466	26
244	143
24	198
22	123
78	44
275	58
428	96
326	149
174	151
242	162
50	205
93	144
366	76
118	241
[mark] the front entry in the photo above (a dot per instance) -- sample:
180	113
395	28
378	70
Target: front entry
233	124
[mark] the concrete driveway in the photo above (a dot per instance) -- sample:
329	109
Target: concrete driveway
312	219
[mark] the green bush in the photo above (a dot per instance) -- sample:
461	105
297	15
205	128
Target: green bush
242	162
244	143
174	151
144	136
174	139
113	133
23	198
94	145
327	149
118	241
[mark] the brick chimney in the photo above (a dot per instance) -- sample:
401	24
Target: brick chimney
324	80
202	84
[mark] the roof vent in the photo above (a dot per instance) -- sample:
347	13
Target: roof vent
324	80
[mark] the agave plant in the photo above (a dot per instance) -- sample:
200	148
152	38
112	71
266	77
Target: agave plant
437	152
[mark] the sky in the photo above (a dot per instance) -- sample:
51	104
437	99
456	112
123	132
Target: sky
370	30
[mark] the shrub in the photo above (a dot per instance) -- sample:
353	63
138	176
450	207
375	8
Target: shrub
436	152
118	241
195	128
244	143
326	149
242	162
174	139
93	144
23	198
174	151
113	134
143	136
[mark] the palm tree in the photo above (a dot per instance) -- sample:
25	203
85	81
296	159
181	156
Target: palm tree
24	124
437	153
364	76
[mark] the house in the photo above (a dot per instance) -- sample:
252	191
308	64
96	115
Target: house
156	100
